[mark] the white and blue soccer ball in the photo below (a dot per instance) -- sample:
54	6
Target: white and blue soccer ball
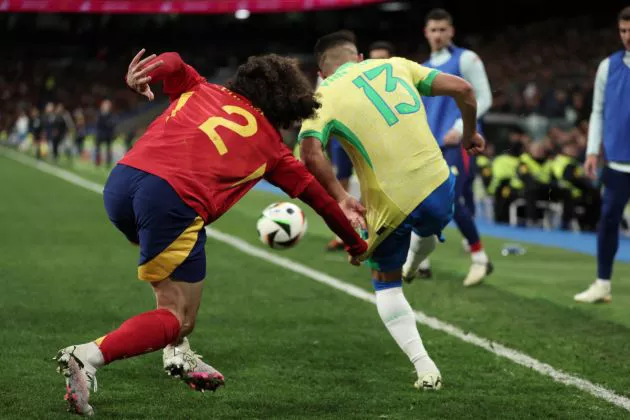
281	225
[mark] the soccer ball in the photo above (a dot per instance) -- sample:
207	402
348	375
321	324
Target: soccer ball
281	225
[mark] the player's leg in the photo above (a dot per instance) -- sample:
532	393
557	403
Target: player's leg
429	218
453	160
468	193
56	141
592	208
419	250
481	266
468	196
175	240
394	309
616	196
427	221
97	150
79	141
149	213
343	165
108	148
144	333
178	359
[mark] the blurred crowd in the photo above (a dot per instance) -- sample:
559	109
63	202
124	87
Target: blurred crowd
55	132
540	69
540	183
541	77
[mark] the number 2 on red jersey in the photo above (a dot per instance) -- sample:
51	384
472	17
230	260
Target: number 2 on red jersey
209	127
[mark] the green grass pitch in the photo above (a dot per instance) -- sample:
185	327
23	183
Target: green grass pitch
291	348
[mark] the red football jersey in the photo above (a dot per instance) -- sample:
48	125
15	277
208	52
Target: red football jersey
212	145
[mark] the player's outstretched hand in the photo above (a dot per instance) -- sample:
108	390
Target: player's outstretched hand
137	74
475	144
354	212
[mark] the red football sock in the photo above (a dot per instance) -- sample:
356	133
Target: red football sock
143	333
476	247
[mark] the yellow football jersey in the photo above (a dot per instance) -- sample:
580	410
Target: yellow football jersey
373	108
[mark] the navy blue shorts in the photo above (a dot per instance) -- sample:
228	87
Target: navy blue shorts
147	210
428	219
340	160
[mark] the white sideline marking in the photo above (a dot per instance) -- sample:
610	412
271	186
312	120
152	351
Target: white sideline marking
352	290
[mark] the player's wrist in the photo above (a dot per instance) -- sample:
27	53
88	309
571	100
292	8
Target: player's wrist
358	248
341	196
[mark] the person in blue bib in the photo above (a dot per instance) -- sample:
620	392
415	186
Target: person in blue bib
610	125
446	124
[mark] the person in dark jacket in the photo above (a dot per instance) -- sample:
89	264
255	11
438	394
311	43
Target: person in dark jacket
36	127
105	132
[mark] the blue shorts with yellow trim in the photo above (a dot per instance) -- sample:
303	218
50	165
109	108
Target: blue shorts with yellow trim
428	219
147	210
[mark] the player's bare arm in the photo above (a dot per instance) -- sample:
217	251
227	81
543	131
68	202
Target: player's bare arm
313	156
463	94
138	77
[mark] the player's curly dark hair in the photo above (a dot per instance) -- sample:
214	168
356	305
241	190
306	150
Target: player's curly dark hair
278	87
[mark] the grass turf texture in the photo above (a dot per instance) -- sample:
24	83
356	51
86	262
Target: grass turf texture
289	347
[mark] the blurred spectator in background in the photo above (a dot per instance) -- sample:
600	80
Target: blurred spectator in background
541	79
48	122
577	112
504	169
576	190
554	105
62	124
381	49
81	130
36	128
532	180
105	124
20	130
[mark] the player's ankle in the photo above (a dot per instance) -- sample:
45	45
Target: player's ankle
424	364
604	282
479	257
476	247
90	353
